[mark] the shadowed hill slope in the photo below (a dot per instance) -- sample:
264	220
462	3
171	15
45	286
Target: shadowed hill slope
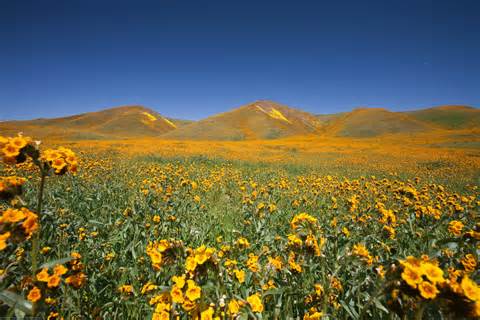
370	122
449	117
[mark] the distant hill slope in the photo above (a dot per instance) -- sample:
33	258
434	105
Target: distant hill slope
449	117
371	122
119	122
258	120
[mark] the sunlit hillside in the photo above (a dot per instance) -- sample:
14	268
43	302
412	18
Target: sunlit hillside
119	122
257	120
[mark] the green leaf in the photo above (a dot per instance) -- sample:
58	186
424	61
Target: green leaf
53	263
16	301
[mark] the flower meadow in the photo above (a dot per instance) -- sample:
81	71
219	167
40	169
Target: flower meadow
110	235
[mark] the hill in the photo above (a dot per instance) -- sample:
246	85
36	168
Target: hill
118	122
258	120
449	117
371	122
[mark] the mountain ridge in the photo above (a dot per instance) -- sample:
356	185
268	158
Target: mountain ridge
258	120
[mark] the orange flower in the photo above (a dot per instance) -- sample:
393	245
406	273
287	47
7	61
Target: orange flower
60	270
3	240
43	275
76	280
54	281
34	295
12	215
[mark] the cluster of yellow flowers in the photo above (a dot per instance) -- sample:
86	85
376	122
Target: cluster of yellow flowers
11	186
45	283
305	228
12	148
17	224
361	251
424	278
186	291
61	160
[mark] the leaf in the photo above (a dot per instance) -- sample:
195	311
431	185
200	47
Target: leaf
16	301
53	263
380	306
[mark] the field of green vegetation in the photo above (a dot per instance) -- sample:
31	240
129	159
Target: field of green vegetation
121	237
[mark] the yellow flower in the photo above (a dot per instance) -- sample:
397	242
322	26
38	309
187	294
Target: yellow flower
302	217
240	275
294	240
201	255
163	245
433	272
126	288
470	289
19	142
293	264
193	291
252	263
58	164
455	227
10	151
427	290
163	315
243	243
179	281
177	294
53	315
469	263
34	295
45	250
255	303
276	262
207	314
233	307
148	287
346	232
412	276
190	264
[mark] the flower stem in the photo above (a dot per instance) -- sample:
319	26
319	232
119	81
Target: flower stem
36	236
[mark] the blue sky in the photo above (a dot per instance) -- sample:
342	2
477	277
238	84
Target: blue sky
191	59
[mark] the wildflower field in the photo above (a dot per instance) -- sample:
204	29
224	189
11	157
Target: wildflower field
140	230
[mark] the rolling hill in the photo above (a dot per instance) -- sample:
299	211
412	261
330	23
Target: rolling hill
118	122
257	120
449	117
372	122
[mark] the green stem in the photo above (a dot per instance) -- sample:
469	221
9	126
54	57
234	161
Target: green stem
419	312
36	237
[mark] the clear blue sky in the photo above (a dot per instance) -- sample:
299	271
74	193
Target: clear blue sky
191	59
